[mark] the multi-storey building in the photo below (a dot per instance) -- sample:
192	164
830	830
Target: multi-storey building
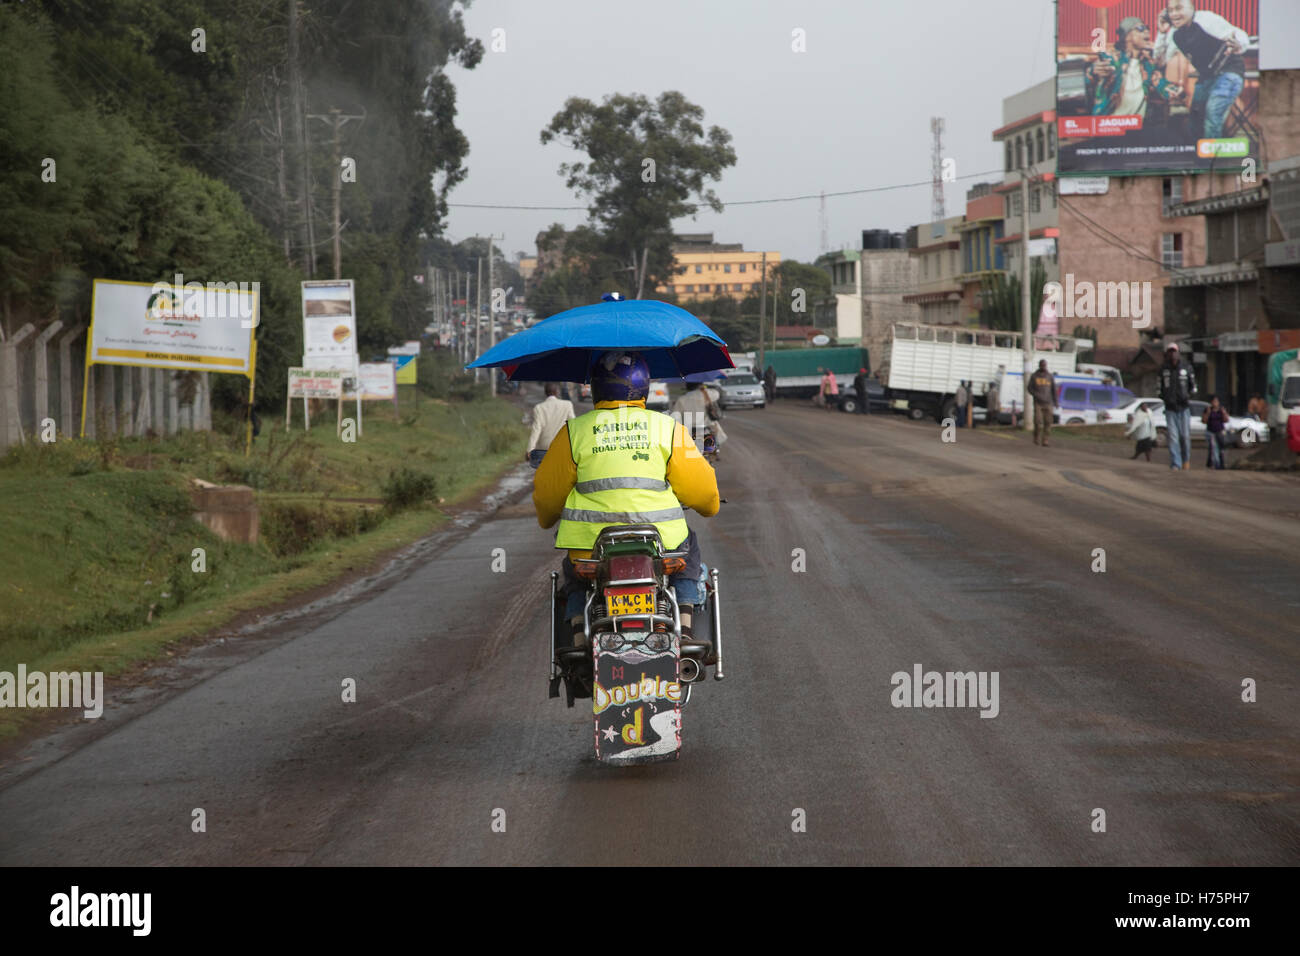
936	247
704	268
868	288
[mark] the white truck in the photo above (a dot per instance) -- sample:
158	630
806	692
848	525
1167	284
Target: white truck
924	364
1283	388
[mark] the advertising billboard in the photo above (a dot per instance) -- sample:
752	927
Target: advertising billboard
329	324
199	327
1156	86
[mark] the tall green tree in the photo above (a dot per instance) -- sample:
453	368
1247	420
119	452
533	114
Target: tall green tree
1000	299
648	163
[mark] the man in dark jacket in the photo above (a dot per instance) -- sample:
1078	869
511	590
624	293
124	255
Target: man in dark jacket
860	386
1042	389
1177	387
769	383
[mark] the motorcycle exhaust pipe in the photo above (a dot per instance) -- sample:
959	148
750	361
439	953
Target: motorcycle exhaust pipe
688	669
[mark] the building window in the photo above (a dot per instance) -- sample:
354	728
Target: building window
1171	189
1035	200
1020	153
1171	250
737	287
1008	146
1039	136
727	267
1015	204
704	288
1051	141
1051	190
690	288
742	267
699	269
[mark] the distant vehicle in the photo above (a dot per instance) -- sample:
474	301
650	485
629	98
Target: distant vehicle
1109	374
1089	403
1283	388
1239	431
657	397
926	363
877	398
741	390
797	374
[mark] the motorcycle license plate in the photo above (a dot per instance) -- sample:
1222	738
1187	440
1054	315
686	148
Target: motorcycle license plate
623	601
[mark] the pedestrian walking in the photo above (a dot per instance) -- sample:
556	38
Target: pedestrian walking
1042	389
1143	430
830	392
1215	418
962	397
769	383
1177	386
1257	408
549	416
992	404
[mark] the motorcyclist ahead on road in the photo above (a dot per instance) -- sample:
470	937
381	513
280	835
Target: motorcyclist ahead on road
623	464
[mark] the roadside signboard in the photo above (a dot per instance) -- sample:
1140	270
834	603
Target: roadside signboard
329	323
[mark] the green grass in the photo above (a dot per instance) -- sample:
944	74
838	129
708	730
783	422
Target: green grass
100	535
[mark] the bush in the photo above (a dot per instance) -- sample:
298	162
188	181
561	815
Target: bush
289	528
501	438
407	488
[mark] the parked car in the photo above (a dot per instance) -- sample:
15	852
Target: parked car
1240	431
657	397
876	398
740	390
1079	403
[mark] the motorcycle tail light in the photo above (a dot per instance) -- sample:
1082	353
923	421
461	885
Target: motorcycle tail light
631	567
586	568
673	565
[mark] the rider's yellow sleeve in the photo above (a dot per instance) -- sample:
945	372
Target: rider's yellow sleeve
555	478
692	478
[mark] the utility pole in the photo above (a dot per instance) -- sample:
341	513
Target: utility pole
300	134
478	309
492	317
337	119
762	316
1026	322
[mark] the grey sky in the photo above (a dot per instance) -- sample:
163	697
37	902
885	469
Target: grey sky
851	112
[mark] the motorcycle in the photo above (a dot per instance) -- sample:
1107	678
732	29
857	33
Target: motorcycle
634	664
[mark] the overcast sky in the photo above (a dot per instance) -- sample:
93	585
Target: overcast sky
850	113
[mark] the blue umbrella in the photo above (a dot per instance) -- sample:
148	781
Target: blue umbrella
564	347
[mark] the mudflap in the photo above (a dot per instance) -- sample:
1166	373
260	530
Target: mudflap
637	702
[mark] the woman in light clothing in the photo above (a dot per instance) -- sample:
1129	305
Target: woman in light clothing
1142	429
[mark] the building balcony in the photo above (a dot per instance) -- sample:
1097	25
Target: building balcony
1220	273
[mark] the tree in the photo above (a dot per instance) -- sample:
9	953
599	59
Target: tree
1086	332
793	276
1000	299
648	163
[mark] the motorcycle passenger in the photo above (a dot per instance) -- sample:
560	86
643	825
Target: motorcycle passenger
698	412
620	464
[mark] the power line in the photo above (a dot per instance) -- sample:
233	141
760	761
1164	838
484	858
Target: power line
738	202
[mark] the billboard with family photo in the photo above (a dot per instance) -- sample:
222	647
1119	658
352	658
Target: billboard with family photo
1154	86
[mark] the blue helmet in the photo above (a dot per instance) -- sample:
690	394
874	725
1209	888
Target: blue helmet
620	377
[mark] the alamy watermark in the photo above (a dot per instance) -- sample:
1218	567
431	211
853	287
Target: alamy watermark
212	300
1101	300
946	689
77	689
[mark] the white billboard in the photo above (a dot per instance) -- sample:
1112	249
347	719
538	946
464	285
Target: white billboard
329	323
206	328
378	382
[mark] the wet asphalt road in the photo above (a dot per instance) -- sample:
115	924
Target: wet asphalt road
1118	690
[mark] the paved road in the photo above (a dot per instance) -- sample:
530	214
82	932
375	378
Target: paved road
1118	690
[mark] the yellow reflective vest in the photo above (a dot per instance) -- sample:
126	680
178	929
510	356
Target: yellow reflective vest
621	455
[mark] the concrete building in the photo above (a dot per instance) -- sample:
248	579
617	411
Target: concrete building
1028	138
981	253
868	287
704	268
936	247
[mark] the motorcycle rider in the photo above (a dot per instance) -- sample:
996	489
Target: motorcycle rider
698	412
623	464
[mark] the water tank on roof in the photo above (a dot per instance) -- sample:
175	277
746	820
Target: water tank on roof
898	241
875	239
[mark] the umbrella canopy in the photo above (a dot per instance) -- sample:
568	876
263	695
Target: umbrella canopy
564	347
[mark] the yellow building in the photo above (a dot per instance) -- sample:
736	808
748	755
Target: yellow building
704	268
